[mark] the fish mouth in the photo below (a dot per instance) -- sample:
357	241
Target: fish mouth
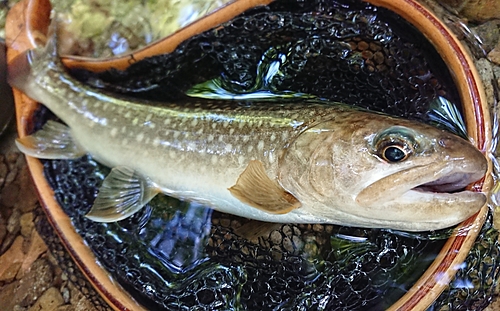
453	183
438	181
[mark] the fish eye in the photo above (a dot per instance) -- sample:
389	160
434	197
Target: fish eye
395	144
394	154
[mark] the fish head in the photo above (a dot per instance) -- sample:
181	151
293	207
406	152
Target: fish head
380	171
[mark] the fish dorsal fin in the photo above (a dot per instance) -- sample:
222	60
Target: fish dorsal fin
53	141
122	193
256	189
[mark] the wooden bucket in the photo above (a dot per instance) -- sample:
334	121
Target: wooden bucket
27	24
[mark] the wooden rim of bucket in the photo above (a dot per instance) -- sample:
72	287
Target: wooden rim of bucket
29	19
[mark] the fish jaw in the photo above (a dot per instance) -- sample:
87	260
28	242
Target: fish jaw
428	211
431	202
446	179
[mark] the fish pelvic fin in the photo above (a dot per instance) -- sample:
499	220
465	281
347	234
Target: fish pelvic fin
53	141
122	193
256	189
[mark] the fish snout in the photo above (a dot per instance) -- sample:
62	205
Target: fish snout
464	155
464	159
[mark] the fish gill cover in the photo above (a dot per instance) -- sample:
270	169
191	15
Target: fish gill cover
344	51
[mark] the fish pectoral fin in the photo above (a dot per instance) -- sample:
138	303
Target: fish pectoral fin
123	193
256	189
53	141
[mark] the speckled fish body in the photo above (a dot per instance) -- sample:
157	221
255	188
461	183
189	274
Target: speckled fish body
310	162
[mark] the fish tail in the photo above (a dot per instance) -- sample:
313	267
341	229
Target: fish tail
19	69
36	62
51	48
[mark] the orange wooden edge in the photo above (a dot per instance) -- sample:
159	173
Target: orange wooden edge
22	34
167	44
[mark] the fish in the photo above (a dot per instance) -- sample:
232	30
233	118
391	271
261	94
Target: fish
286	161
